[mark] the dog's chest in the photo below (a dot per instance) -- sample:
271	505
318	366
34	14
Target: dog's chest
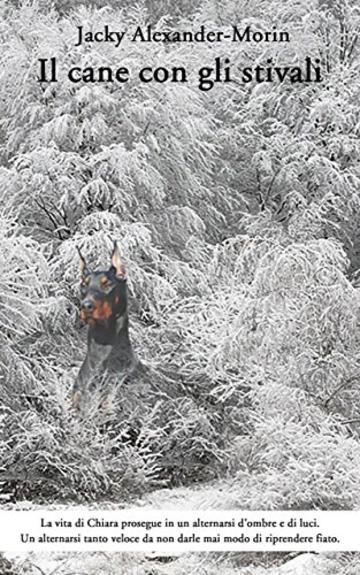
98	353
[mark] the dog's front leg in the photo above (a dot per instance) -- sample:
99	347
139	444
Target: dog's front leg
81	382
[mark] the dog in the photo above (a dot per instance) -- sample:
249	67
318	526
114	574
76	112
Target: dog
104	309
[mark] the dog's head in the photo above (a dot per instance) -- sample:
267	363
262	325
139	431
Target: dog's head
103	292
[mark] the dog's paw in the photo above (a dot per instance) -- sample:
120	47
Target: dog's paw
107	405
76	400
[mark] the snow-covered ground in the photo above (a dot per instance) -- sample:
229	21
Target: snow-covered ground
187	564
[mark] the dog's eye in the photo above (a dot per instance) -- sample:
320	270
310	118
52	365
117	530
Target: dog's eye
105	282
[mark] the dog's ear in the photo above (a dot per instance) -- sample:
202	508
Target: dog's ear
83	267
117	263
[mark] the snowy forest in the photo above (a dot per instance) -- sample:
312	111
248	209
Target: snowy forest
236	211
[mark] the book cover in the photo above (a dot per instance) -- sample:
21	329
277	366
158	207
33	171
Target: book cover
179	310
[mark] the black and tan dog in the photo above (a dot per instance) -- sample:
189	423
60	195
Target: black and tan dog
104	309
